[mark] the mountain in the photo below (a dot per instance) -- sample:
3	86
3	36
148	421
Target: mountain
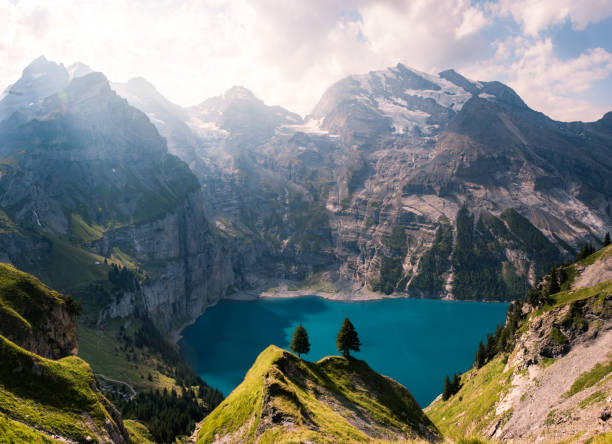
118	185
283	399
55	397
40	79
366	193
242	115
551	383
92	204
169	118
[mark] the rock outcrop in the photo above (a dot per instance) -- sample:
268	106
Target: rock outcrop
34	317
555	383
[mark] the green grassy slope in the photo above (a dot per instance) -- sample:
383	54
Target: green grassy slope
56	397
286	399
23	299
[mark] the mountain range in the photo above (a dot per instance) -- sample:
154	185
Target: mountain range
397	183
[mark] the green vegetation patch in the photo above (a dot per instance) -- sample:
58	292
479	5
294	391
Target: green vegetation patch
83	232
12	431
471	410
565	297
593	399
139	434
602	253
6	224
557	336
50	395
24	301
68	267
590	378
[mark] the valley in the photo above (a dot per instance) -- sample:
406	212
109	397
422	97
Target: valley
419	205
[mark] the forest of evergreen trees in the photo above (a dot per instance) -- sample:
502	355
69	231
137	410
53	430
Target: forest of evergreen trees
168	415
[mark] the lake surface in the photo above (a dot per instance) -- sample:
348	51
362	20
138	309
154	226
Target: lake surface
414	341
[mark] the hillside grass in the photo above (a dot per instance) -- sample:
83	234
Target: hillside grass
83	232
13	432
24	300
50	395
68	267
6	224
104	351
139	434
319	398
565	297
471	410
590	378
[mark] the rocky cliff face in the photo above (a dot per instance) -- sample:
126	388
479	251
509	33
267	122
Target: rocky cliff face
393	156
35	317
120	199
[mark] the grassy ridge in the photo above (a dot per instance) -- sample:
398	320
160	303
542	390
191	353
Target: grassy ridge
50	395
286	399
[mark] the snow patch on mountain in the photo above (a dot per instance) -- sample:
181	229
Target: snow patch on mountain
206	129
452	97
402	117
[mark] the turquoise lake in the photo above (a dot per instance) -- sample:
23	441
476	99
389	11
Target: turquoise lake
414	341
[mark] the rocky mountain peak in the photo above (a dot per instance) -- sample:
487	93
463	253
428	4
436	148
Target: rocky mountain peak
39	79
239	93
89	85
78	69
141	84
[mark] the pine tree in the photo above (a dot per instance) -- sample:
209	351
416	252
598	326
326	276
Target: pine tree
347	338
606	241
586	250
447	389
480	355
299	341
490	347
553	283
455	383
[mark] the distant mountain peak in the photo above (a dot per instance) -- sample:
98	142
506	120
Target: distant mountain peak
38	61
140	82
78	69
239	93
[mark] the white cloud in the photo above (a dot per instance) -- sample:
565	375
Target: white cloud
538	15
545	82
288	52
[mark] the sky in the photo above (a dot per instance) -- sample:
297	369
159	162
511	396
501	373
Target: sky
557	54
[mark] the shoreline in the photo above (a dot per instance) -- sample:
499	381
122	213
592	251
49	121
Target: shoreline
283	291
